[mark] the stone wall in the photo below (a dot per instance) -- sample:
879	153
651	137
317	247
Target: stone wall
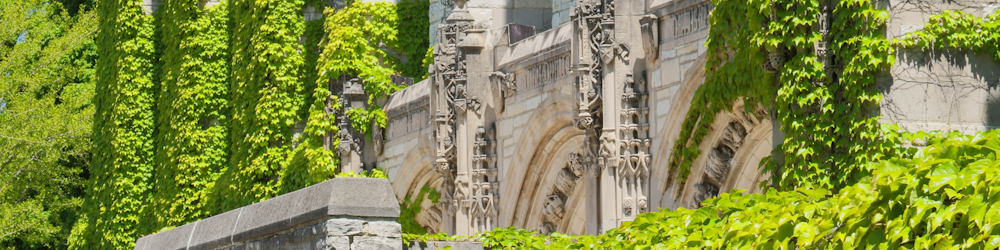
939	89
341	213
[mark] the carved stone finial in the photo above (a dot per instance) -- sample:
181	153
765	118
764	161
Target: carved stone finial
460	13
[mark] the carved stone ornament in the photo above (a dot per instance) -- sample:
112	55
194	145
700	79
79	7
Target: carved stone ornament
623	52
775	60
605	158
475	105
348	142
649	26
460	105
503	88
554	208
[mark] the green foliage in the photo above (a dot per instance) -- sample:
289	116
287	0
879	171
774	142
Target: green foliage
829	131
359	41
47	62
409	210
265	67
414	24
121	166
955	29
352	46
374	173
192	112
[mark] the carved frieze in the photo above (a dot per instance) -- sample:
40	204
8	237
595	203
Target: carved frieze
692	19
544	72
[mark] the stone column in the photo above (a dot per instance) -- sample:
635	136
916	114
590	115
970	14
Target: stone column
465	154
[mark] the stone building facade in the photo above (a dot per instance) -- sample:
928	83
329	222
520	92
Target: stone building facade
564	121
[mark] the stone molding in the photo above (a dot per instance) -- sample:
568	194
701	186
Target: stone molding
358	199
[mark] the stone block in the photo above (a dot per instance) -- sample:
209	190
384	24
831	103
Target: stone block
669	53
662	107
384	228
376	243
671	72
365	197
338	242
344	226
688	49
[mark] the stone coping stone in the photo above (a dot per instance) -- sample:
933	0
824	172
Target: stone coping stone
455	245
338	197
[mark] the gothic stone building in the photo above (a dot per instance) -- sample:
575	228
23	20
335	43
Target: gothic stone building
559	115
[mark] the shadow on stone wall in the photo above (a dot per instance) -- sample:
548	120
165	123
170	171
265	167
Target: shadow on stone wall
957	89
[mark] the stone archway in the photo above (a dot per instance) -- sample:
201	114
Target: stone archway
730	156
540	153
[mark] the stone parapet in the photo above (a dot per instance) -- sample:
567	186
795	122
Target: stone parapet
341	213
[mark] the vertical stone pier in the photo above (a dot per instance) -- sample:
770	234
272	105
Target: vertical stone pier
341	213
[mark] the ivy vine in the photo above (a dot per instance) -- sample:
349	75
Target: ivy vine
266	66
829	131
123	129
191	137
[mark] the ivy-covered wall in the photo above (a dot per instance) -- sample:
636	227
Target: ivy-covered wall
266	64
823	101
192	112
122	164
197	104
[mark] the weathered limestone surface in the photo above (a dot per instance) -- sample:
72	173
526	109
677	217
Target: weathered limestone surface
341	213
940	89
559	172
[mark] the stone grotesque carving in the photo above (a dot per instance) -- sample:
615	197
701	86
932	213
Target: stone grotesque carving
623	52
565	181
503	88
704	191
554	208
775	59
718	166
